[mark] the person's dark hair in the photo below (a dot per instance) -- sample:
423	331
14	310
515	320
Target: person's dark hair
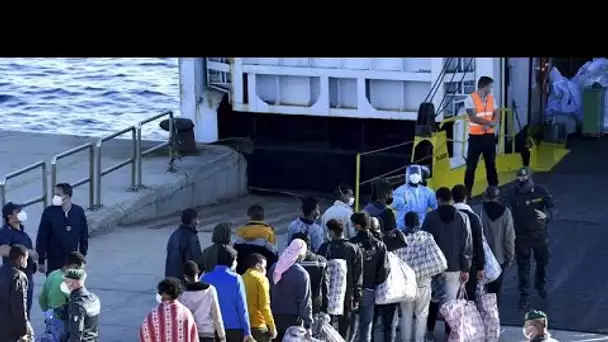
342	190
459	193
382	189
75	258
336	226
484	81
388	220
254	259
412	220
309	205
191	269
256	212
170	286
226	256
65	188
491	194
361	218
301	235
17	251
189	215
443	194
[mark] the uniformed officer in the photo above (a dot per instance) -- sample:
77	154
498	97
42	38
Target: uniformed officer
532	207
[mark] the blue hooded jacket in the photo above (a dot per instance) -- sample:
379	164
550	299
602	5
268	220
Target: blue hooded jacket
413	197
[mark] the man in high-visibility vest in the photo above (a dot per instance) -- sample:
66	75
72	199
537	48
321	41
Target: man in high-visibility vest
482	115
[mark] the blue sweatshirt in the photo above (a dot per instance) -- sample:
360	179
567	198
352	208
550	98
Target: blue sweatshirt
232	297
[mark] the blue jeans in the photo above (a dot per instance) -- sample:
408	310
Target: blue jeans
366	315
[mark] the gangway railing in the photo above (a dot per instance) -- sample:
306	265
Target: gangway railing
90	179
140	154
41	165
130	161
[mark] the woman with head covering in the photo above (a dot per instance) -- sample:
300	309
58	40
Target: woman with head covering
290	292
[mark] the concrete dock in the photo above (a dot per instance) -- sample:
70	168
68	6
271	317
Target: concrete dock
125	265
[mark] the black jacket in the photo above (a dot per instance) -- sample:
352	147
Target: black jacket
394	240
244	250
59	235
523	201
316	265
83	316
183	245
351	253
13	308
453	236
478	258
375	259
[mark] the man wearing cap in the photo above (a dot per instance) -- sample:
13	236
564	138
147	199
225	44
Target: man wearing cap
532	207
83	308
535	327
13	233
497	223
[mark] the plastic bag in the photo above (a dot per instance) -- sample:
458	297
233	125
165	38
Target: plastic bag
336	273
400	286
322	330
488	309
298	334
464	319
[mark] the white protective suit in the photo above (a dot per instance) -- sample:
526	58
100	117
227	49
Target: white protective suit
413	196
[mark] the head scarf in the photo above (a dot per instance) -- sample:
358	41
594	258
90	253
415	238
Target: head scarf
290	255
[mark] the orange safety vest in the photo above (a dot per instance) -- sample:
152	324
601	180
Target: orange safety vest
482	111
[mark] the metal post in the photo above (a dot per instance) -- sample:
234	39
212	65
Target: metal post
98	175
45	186
91	177
138	157
172	143
53	173
357	180
134	162
3	192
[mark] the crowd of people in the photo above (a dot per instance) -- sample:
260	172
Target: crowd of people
71	311
242	289
331	271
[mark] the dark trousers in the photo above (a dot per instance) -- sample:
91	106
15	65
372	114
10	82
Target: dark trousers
283	322
260	335
344	323
496	286
207	339
234	335
471	285
485	145
387	314
524	246
431	320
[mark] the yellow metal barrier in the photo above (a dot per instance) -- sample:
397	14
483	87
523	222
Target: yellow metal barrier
543	156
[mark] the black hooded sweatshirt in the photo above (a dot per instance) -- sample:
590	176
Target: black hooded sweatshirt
450	229
375	259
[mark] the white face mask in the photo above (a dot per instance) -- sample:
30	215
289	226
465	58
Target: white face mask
415	178
351	201
64	288
57	200
159	299
528	332
233	267
22	216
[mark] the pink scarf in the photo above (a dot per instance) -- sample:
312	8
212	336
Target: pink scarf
290	255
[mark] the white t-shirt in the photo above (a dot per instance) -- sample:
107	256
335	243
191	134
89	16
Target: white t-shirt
470	104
